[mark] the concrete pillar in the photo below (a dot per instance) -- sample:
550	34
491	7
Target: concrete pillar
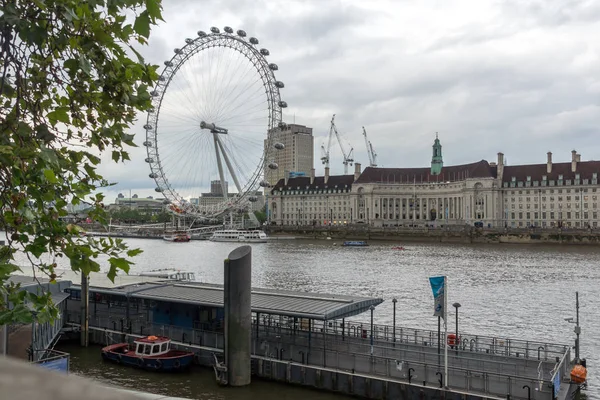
238	315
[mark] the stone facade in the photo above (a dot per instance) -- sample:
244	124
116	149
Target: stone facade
481	193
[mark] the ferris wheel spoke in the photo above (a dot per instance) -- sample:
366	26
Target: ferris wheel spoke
238	100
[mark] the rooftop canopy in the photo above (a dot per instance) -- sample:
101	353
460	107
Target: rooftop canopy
277	302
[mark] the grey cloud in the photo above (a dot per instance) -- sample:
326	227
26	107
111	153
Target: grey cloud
509	82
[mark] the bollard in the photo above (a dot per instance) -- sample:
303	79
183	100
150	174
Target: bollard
238	315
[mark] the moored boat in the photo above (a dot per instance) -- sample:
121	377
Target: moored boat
355	243
178	236
234	235
151	352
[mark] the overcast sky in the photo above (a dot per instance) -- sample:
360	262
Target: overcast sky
517	76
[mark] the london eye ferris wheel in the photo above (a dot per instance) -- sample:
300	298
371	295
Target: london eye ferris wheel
213	107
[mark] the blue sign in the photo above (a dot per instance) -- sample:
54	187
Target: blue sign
295	174
556	383
438	288
59	365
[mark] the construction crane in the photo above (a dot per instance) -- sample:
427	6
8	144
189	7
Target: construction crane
348	157
370	151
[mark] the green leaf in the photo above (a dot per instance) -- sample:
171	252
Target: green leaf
84	64
50	176
8	269
153	7
142	24
117	263
116	156
134	252
59	115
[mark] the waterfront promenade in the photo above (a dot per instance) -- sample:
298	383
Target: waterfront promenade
444	234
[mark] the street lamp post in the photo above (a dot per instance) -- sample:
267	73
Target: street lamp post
372	308
577	329
394	301
456	306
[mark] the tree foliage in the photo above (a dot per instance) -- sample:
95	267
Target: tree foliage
71	84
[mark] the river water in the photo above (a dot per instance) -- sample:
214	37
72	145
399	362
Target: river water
520	291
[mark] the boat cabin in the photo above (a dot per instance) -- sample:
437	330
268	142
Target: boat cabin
152	346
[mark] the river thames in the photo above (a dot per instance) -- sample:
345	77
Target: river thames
520	291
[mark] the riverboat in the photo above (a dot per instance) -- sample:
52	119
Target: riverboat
151	353
177	236
355	243
170	273
234	235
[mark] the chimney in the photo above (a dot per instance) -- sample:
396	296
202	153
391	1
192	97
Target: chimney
500	166
312	175
578	157
573	161
326	175
286	177
549	163
356	171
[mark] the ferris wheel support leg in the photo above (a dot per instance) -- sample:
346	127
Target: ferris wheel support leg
229	166
220	165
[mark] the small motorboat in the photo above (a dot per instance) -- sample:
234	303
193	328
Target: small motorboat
355	243
151	352
398	248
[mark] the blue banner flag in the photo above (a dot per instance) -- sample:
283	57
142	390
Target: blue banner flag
439	291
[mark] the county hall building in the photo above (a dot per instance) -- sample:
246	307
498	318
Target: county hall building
481	193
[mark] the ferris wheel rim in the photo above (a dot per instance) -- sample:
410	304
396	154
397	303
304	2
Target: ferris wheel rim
257	58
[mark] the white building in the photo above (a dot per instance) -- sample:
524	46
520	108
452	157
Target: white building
479	193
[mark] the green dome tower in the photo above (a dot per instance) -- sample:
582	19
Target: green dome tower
436	160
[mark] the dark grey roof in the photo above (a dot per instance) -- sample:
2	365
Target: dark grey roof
277	302
303	183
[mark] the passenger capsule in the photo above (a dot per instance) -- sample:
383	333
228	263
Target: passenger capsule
162	78
201	33
168	63
148	143
153	175
273	165
282	125
158	189
282	104
264	184
178	51
149	160
279	146
148	127
241	33
264	52
253	199
253	40
273	67
189	41
154	93
214	29
279	84
228	29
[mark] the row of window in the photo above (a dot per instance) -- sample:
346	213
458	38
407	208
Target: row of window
554	215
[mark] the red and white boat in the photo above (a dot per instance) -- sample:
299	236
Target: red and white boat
177	236
152	352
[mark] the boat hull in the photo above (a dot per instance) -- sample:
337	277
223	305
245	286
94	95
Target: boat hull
174	361
238	240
